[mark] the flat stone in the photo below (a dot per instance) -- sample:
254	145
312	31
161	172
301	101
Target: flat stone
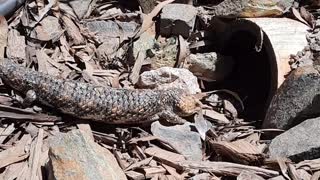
225	8
298	143
147	5
297	99
167	78
104	30
181	23
210	66
74	155
181	138
48	29
80	7
8	7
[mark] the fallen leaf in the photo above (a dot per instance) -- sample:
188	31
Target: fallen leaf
139	164
307	16
183	52
148	19
297	14
214	115
3	35
15	153
202	125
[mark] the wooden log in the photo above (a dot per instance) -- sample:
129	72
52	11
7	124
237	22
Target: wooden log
227	169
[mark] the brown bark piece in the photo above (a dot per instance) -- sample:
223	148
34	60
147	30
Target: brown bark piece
4	133
11	170
246	175
73	32
16	153
166	157
135	175
134	77
316	176
312	165
215	116
173	172
36	156
3	35
42	61
16	48
227	169
20	114
239	151
152	171
139	164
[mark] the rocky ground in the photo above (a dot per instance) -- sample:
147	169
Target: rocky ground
252	124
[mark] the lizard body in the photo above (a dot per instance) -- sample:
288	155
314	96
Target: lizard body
97	103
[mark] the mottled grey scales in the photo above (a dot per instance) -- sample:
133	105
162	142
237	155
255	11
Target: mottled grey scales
104	104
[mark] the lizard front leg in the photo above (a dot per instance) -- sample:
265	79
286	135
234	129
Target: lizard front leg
29	98
171	117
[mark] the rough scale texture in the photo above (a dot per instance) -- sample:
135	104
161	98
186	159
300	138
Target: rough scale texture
105	104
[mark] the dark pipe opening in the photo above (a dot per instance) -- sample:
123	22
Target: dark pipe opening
254	77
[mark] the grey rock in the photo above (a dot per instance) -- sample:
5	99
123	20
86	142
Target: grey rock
167	78
177	19
48	29
74	155
181	138
8	7
298	143
226	8
104	30
80	7
147	5
296	100
210	66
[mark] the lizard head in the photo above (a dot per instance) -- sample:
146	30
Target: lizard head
187	105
